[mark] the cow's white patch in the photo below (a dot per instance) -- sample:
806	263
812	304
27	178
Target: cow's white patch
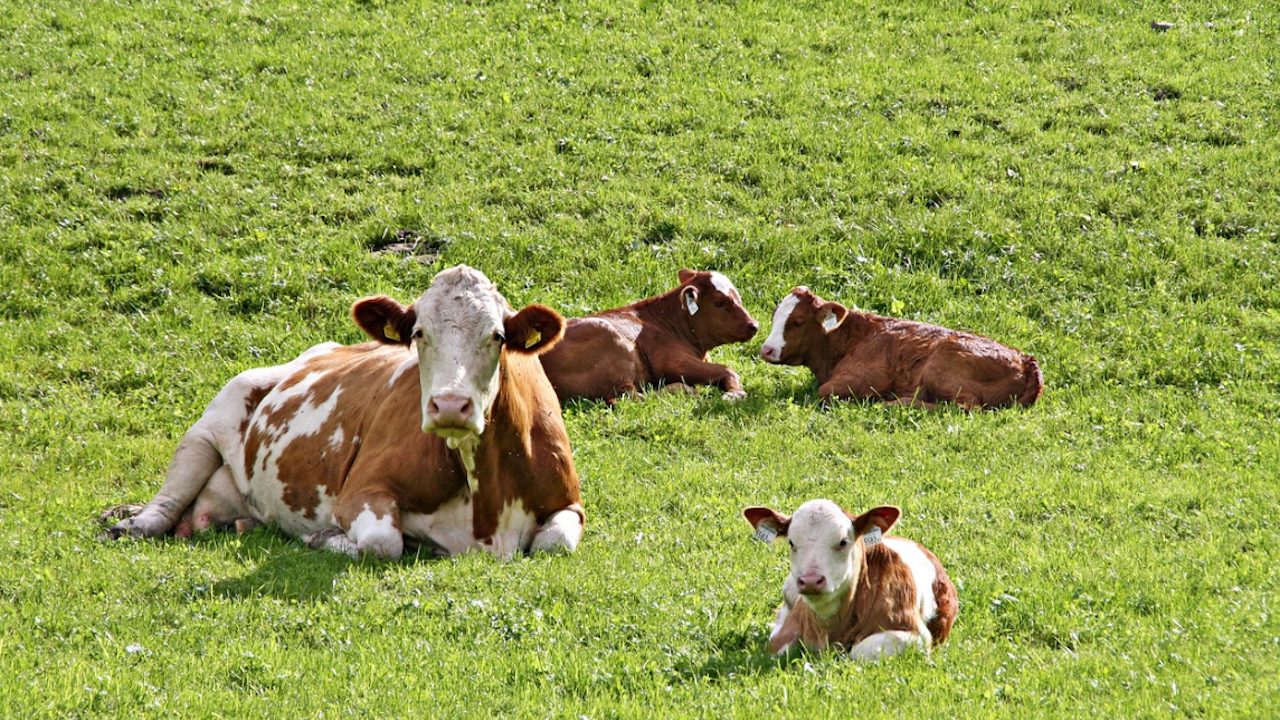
781	617
337	438
561	531
776	342
448	528
922	572
516	526
722	283
409	364
883	644
376	534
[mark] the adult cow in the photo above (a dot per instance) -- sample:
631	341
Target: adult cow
444	431
659	340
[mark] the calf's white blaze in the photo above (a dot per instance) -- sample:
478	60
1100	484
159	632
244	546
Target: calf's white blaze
724	285
775	342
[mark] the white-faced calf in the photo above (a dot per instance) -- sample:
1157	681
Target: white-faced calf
660	340
853	587
861	355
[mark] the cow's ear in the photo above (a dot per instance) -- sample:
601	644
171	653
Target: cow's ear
768	522
689	294
686	275
883	517
534	329
384	319
832	314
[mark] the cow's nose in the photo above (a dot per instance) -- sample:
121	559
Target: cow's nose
449	410
769	353
812	583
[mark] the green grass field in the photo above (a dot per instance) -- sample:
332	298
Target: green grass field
191	189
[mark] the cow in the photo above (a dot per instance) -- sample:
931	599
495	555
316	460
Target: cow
443	431
854	587
867	356
662	340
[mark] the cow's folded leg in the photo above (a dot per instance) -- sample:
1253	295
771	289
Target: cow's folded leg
884	644
372	521
560	532
332	539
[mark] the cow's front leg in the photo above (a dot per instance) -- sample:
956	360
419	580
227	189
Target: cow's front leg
700	372
884	644
371	522
559	533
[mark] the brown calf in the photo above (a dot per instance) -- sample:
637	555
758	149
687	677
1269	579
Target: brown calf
861	355
851	586
659	340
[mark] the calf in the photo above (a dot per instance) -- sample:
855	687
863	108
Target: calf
867	356
851	586
444	431
663	339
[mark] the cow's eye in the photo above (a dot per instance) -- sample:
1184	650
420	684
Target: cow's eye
498	337
792	543
417	333
797	322
844	543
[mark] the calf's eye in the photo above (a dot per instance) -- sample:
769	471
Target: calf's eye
498	337
844	543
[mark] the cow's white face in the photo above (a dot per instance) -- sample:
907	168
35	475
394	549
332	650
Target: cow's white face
459	329
458	335
826	548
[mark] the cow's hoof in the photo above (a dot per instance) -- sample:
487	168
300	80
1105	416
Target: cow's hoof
734	395
118	513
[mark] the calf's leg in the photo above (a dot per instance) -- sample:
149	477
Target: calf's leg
884	644
560	532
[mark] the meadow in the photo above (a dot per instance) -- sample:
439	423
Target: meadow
188	190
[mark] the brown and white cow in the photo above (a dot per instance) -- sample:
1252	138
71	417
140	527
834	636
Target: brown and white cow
852	586
444	431
659	340
861	355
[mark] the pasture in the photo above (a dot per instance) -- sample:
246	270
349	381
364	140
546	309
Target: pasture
191	189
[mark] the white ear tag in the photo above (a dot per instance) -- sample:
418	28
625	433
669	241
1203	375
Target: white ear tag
872	536
693	304
830	322
764	533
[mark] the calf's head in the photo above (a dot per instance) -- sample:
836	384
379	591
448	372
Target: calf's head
715	309
801	323
827	547
460	328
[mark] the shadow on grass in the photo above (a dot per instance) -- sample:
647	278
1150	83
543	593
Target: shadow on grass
284	567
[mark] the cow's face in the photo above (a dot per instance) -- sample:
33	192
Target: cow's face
827	547
715	309
460	328
801	323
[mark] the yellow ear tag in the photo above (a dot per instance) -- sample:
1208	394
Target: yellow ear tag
389	331
534	336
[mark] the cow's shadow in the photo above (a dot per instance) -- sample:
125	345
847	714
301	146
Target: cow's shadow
286	569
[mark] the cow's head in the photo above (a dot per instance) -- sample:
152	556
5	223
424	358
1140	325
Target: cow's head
460	328
715	309
801	323
827	547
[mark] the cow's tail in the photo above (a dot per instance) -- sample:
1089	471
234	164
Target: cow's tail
1033	381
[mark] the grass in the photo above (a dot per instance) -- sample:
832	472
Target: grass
189	190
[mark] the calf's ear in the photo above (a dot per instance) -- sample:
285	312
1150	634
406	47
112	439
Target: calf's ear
832	314
690	297
384	319
686	275
883	517
767	520
535	329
